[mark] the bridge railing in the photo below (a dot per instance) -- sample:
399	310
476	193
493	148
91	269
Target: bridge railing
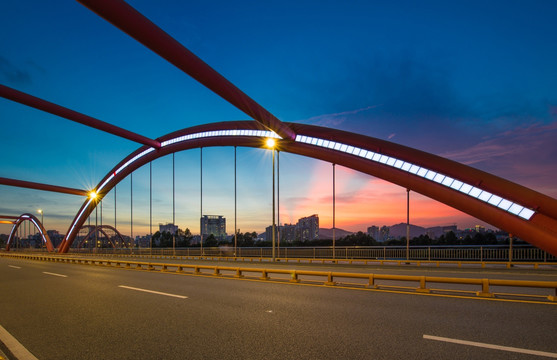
421	284
426	253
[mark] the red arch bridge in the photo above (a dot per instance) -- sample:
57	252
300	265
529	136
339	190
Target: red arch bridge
525	213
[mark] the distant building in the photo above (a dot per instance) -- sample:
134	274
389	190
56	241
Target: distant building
213	225
384	234
168	227
437	231
373	231
287	232
306	228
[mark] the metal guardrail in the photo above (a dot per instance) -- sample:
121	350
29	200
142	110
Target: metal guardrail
296	276
419	263
429	253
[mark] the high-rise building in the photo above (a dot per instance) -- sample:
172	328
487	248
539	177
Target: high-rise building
213	225
373	231
308	228
168	227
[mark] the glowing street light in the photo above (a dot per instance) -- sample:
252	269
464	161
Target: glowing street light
41	212
270	143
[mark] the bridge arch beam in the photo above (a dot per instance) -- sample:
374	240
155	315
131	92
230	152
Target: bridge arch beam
45	239
521	211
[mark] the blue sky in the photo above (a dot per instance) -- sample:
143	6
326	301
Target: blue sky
472	81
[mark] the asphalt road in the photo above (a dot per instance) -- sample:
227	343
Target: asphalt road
68	311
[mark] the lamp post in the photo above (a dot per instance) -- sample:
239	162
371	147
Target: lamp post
93	196
42	223
407	224
270	143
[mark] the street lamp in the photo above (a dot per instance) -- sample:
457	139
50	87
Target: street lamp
270	143
42	223
41	212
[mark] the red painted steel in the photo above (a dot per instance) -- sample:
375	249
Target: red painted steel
540	230
72	115
130	21
42	231
44	187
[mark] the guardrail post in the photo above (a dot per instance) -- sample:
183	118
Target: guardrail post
238	273
371	283
217	271
485	289
196	270
553	297
294	277
179	269
164	267
422	288
264	275
330	281
138	266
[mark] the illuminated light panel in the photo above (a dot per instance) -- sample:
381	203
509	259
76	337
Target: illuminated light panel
422	172
526	213
431	175
439	178
447	181
495	200
475	192
457	184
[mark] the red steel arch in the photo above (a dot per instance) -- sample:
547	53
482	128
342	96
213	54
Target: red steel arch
521	211
102	229
42	231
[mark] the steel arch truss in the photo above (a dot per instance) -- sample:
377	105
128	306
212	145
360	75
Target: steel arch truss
521	211
90	230
45	239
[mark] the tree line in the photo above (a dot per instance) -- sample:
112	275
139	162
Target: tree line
249	239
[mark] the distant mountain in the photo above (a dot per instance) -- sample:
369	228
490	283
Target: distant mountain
399	230
328	233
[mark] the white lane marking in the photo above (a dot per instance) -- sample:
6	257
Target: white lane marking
491	346
153	292
14	267
15	347
54	274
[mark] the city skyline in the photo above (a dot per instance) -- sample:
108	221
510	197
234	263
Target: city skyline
449	92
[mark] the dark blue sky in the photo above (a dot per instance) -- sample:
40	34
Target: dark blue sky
473	81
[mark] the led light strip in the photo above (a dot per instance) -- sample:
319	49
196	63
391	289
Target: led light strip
204	134
24	217
431	175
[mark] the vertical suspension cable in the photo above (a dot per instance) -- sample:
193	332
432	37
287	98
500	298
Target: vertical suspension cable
235	210
201	198
273	223
150	208
173	207
334	212
407	224
131	212
278	201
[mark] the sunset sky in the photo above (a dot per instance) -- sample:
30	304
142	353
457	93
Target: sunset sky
473	81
